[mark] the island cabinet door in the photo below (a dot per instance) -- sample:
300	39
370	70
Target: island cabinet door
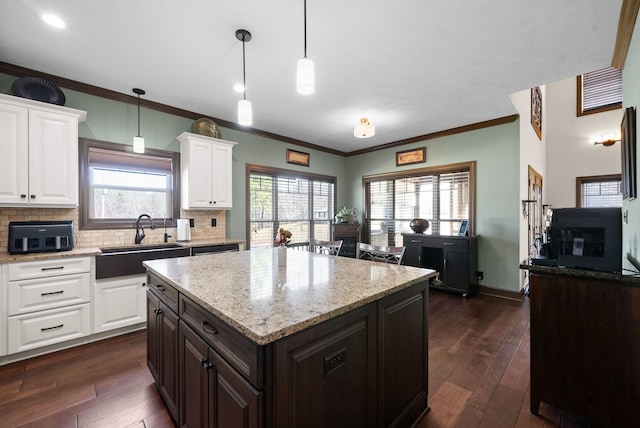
325	375
403	356
212	393
162	350
194	380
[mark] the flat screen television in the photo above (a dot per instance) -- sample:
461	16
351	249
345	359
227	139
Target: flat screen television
587	238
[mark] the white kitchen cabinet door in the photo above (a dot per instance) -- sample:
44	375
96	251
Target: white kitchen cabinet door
39	146
53	159
206	167
14	146
119	302
44	328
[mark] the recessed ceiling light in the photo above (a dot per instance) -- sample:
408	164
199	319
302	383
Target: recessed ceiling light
238	87
53	20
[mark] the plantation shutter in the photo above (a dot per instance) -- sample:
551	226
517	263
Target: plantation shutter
601	88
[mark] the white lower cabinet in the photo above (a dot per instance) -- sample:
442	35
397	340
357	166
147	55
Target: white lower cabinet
3	311
45	302
119	302
44	328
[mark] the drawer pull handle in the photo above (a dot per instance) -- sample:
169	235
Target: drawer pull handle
157	311
52	268
206	364
416	241
160	287
52	328
208	328
51	293
448	243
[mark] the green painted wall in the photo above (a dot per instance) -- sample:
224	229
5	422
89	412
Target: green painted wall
496	152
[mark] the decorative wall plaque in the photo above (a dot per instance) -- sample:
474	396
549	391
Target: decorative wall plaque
536	111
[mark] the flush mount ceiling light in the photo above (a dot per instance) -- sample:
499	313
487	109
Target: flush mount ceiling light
138	142
305	76
364	129
53	20
245	115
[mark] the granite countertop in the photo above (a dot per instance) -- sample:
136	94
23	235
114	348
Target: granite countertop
630	277
5	257
265	302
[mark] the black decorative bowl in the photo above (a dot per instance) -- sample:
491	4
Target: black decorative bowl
419	225
39	89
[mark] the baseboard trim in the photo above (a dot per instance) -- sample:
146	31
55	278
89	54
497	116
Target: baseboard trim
496	292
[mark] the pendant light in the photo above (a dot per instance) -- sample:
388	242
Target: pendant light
364	129
245	115
305	76
138	142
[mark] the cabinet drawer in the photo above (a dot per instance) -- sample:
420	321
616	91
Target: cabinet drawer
164	291
48	293
48	268
238	351
346	230
48	327
454	243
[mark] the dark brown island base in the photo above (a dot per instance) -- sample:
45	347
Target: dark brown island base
585	344
247	339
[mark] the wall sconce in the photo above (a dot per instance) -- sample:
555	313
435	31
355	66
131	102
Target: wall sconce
525	206
607	139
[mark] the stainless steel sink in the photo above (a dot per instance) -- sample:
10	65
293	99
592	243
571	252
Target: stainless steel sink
122	261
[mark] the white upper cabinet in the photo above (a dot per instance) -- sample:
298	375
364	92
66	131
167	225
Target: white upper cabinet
205	164
39	146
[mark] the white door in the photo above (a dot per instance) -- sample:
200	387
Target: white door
14	140
53	159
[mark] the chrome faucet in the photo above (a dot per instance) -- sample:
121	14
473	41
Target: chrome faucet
140	236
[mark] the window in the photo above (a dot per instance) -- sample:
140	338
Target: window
118	185
301	203
442	195
599	91
601	191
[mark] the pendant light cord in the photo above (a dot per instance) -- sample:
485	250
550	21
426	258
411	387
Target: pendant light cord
244	73
138	115
305	28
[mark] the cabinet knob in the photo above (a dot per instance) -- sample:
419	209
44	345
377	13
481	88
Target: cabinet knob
144	284
22	196
33	196
157	311
210	202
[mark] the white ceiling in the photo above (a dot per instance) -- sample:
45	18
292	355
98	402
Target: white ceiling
413	67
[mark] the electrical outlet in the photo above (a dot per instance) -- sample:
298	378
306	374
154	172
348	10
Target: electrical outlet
214	222
192	223
479	275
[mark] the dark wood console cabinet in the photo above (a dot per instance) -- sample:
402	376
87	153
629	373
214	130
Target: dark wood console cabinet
585	347
350	236
453	257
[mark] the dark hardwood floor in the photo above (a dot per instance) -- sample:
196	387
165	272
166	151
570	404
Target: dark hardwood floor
478	376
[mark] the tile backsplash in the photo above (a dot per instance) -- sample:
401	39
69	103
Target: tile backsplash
202	229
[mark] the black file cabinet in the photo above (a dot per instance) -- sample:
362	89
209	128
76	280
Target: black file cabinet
453	257
350	235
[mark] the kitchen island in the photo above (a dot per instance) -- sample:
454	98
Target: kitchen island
234	339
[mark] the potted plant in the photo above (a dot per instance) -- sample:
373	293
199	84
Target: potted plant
345	215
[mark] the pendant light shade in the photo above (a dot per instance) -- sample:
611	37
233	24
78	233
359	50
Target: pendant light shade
305	76
245	113
364	129
138	142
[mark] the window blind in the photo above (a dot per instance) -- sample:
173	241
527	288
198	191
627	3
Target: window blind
601	193
601	88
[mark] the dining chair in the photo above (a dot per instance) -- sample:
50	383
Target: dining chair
380	253
325	247
300	246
